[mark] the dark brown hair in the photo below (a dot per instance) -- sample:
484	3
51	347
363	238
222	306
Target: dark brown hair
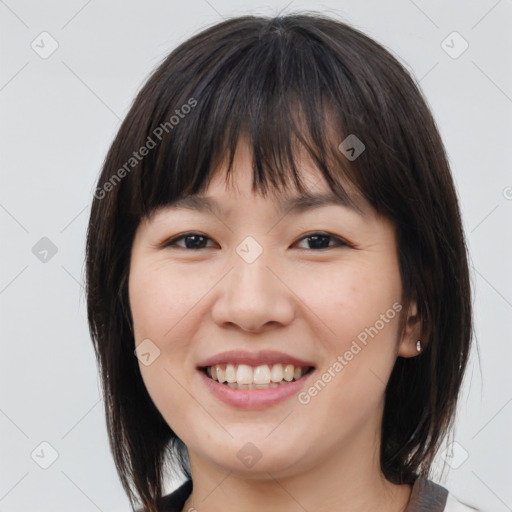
306	81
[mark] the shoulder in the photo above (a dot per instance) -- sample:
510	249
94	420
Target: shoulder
428	496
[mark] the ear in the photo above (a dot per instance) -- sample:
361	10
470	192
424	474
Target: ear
412	333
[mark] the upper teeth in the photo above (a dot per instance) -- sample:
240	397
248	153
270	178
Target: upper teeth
263	374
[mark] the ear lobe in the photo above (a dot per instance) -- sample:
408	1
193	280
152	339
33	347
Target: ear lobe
412	333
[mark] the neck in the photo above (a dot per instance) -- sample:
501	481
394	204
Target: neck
349	479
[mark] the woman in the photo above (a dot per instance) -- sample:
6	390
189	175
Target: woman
277	278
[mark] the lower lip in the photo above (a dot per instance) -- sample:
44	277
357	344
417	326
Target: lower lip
254	398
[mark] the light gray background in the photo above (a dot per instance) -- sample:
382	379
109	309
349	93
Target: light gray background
58	118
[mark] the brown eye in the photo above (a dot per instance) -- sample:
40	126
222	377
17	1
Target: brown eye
320	240
192	241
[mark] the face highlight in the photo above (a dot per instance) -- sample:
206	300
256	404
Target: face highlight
242	273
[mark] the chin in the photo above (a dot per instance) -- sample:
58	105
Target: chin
256	458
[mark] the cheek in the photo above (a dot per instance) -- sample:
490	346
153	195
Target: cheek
159	298
352	298
360	310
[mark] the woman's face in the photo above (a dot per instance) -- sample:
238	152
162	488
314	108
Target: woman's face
258	280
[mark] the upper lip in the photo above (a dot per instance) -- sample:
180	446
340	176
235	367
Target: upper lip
254	358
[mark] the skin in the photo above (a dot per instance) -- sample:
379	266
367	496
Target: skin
309	302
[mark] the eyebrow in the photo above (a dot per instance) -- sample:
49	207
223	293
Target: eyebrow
296	204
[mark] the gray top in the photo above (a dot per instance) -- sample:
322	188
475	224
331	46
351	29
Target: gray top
426	496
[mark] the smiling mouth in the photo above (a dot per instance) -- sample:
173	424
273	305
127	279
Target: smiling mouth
243	376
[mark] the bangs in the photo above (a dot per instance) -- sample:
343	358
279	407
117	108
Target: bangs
284	93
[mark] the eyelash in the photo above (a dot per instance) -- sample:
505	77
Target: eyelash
340	242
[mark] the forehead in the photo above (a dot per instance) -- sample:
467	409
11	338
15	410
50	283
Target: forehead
225	193
285	204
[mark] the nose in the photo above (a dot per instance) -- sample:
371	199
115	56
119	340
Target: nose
254	297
